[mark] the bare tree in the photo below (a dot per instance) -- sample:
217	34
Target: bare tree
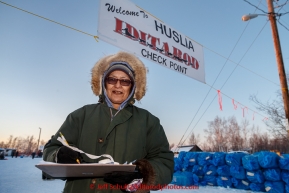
194	140
233	134
25	145
205	147
14	142
245	132
253	135
215	134
259	141
223	134
20	144
264	142
31	144
42	142
276	115
9	142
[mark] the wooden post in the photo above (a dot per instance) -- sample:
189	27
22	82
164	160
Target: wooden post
279	58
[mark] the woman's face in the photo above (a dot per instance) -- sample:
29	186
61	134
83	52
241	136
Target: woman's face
117	93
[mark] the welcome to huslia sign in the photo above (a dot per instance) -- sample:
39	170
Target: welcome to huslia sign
125	25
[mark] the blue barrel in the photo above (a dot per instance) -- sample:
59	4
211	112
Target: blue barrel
268	159
250	162
255	176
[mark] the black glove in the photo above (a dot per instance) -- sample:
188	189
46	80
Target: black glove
66	155
131	181
121	178
128	181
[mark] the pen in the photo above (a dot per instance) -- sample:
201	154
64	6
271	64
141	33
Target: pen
77	160
63	138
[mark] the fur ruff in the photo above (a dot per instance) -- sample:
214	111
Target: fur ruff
102	65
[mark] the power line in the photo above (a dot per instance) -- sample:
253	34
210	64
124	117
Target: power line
228	79
226	82
210	105
242	66
227	59
95	37
281	6
279	16
282	24
181	142
244	55
256	7
97	40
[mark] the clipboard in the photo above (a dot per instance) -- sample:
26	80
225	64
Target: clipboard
57	170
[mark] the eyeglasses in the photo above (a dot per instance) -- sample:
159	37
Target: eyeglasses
123	82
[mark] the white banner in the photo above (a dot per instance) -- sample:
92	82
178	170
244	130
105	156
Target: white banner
127	26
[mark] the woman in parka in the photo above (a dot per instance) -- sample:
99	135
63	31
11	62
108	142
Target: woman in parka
116	127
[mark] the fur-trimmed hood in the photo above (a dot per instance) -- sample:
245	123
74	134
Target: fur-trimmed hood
136	64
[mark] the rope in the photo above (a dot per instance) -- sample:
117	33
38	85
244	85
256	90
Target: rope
95	37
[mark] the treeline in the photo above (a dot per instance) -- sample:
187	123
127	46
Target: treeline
228	135
23	145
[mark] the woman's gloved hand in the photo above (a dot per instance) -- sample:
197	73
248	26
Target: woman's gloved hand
66	155
131	181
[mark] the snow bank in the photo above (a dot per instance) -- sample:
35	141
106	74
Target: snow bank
21	175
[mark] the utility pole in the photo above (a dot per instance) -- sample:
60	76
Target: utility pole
279	58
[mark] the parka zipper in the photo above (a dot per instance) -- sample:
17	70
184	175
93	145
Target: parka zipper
111	115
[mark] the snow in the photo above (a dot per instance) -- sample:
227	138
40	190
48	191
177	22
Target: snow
21	175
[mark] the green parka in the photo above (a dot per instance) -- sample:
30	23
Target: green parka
133	134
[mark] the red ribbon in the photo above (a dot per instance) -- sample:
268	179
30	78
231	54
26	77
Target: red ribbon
244	110
220	100
235	106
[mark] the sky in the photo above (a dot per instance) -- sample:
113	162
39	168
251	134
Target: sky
45	68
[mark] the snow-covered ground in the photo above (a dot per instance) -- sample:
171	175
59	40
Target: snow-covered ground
19	175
